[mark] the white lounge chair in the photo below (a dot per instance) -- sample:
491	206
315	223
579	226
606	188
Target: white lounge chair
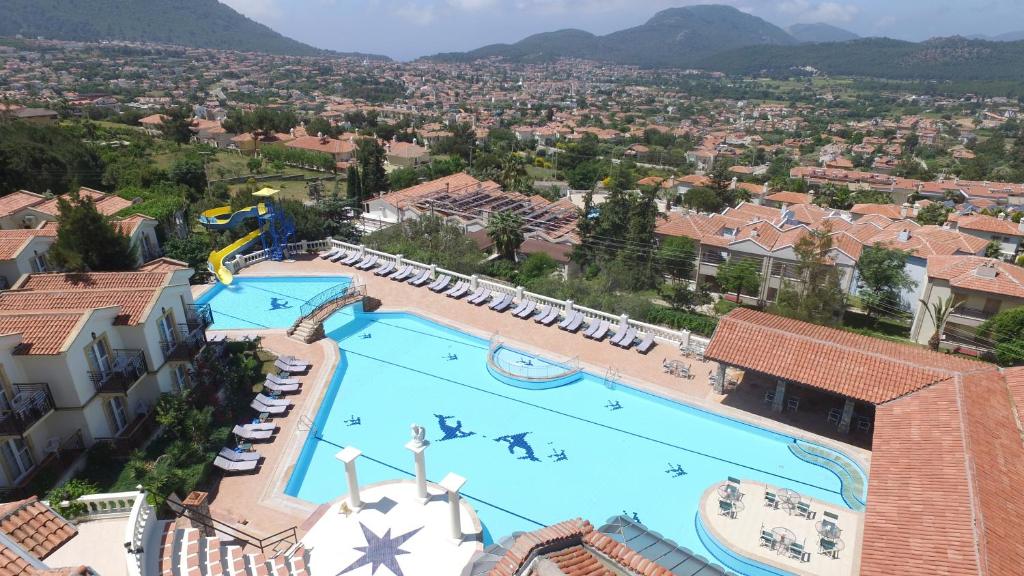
290	368
267	400
351	258
236	456
294	361
420	279
503	305
542	314
569	319
521	307
498	300
551	318
280	388
646	344
367	263
261	407
479	292
458	291
330	253
404	274
591	328
602	331
281	381
627	340
526	311
399	270
232	466
440	284
262	431
619	336
384	269
575	324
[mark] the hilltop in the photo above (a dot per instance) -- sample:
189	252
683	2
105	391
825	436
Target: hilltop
195	23
820	32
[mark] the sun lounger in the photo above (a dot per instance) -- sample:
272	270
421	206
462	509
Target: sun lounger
281	381
591	328
337	257
440	284
551	318
254	431
232	466
569	319
601	331
351	259
575	324
384	269
236	456
290	368
398	272
542	314
261	407
646	344
330	253
294	361
527	311
281	388
504	305
404	274
627	340
479	296
268	401
458	291
498	300
522	306
619	336
420	279
367	263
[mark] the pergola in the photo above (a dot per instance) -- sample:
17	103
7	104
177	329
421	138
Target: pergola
855	367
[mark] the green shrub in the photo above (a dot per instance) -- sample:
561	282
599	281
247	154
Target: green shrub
723	306
679	320
70	492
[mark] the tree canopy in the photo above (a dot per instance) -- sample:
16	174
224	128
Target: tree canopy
87	240
884	277
739	276
817	296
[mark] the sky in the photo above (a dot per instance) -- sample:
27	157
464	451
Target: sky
408	29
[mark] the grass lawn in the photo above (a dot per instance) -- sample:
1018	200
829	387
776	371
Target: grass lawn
290	189
886	328
538	173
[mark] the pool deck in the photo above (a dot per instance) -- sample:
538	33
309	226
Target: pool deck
257	501
743	533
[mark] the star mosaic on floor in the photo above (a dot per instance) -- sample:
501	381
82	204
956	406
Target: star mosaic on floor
381	551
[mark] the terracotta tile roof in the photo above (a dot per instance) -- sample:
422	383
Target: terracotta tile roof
789	197
527	543
108	204
93	281
325	145
991	224
134	303
11	203
12	564
12	242
678	224
163	265
962	272
927	241
852	365
35	527
42	333
888	210
130	224
411	195
578	561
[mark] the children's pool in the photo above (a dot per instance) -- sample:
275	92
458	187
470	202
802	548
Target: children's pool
531	457
264	302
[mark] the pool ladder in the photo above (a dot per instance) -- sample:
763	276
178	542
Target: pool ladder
611	377
306	425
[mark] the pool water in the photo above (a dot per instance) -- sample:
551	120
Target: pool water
531	457
254	303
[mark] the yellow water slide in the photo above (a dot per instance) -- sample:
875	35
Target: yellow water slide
217	257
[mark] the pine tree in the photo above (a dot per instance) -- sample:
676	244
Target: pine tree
355	184
87	240
370	155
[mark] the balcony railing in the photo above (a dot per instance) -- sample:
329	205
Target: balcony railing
188	341
31	403
126	367
972	313
198	316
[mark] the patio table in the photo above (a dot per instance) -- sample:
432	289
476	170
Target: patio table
829	531
729	492
785	537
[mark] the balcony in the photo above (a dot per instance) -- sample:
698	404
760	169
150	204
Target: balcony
188	341
970	316
198	316
31	403
126	367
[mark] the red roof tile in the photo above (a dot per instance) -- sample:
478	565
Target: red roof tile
93	281
134	303
11	203
42	333
12	242
962	272
35	527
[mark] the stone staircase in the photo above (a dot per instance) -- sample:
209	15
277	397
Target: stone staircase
307	330
185	552
310	326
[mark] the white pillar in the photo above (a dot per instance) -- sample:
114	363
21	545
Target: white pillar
398	260
519	293
844	422
433	270
418	450
474	282
348	457
780	396
362	251
452	483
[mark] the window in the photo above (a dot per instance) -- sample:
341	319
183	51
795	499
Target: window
99	355
118	414
181	377
38	263
166	324
17	458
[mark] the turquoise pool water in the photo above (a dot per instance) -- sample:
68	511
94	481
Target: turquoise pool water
254	302
531	457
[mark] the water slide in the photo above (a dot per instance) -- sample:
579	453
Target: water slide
217	257
223	218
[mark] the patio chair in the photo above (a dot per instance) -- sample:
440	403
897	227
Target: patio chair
574	326
397	272
351	259
768	539
261	407
551	318
592	327
527	311
498	300
237	456
384	269
569	319
602	331
281	388
797	552
726	508
268	401
803	509
481	297
271	377
646	344
769	397
828	547
542	314
771	500
232	466
253	432
863	424
290	368
366	263
835	415
330	253
793	403
627	340
440	284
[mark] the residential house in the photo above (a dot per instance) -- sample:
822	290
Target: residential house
84	358
406	154
24	252
979	288
991	229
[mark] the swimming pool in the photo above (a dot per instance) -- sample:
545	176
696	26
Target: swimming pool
268	302
532	457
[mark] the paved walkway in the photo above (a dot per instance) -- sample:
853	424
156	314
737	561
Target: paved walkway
99	545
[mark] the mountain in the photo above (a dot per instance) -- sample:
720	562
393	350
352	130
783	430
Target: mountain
677	37
197	23
1005	37
819	32
954	58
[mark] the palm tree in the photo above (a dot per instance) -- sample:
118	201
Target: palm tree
939	313
505	229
